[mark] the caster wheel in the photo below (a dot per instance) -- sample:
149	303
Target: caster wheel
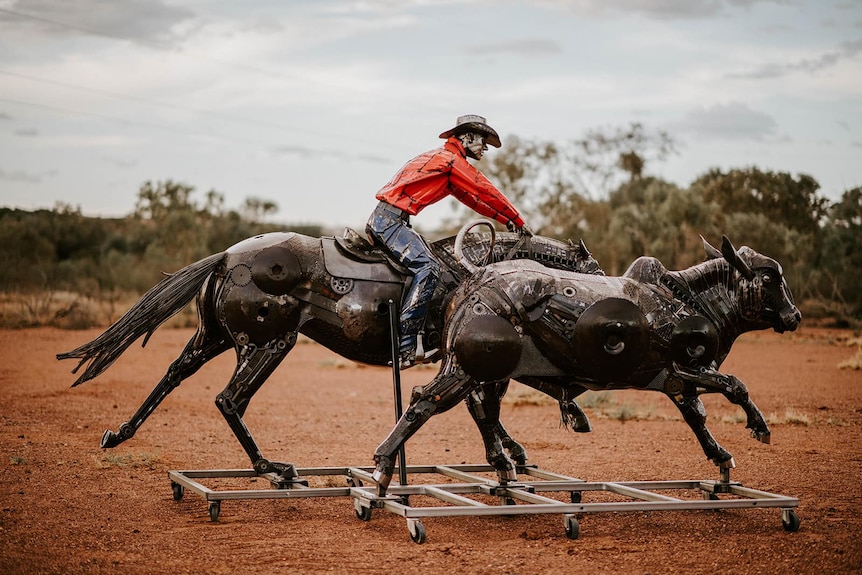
790	520
710	496
507	501
573	530
575	496
417	531
178	490
215	509
354	482
362	512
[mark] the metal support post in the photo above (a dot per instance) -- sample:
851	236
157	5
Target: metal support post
396	384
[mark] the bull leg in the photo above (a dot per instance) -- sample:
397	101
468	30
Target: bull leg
712	381
193	356
694	413
447	389
571	414
254	366
484	405
516	451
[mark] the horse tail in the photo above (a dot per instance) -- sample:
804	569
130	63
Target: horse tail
164	300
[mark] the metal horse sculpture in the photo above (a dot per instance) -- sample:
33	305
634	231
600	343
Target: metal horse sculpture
259	294
565	333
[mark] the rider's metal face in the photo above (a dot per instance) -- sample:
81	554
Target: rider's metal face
474	144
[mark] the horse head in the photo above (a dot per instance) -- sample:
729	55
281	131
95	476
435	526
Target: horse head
765	297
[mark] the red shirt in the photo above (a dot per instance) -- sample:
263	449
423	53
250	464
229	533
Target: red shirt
432	176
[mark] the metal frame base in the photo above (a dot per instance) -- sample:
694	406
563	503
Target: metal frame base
460	492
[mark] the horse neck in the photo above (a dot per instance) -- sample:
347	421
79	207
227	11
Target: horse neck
712	290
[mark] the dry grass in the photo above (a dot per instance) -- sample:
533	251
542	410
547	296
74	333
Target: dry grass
68	310
854	362
147	460
792	416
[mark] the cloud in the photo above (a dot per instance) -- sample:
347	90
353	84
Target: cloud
307	153
27	132
144	21
5	116
525	47
844	51
733	121
26	177
657	9
119	162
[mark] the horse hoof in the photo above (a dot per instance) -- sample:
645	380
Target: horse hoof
727	464
110	439
382	479
762	437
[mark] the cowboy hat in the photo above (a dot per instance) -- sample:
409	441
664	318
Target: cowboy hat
473	123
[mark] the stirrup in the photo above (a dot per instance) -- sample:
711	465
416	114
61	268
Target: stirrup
423	355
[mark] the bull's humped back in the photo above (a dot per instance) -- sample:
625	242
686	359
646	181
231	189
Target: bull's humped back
530	283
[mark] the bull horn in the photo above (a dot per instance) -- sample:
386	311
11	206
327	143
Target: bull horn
711	252
730	254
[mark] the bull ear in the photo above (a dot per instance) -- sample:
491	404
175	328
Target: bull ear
730	254
711	252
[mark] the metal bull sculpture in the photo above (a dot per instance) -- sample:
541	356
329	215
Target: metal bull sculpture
565	333
259	294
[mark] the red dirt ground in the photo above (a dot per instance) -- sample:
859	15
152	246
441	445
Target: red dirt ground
70	507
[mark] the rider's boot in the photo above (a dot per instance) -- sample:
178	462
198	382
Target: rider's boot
407	350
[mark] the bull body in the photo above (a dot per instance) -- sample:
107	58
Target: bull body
564	333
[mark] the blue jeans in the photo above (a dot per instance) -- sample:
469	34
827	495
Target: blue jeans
390	227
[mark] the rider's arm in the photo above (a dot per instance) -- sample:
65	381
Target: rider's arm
474	190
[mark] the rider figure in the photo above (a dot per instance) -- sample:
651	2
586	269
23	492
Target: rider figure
423	181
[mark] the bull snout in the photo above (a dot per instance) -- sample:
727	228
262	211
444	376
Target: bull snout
789	319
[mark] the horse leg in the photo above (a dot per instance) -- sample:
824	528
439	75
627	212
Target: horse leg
199	350
254	366
736	393
446	390
484	406
694	413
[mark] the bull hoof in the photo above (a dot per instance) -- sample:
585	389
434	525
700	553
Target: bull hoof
507	475
516	451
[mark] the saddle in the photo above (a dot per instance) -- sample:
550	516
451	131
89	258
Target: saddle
354	257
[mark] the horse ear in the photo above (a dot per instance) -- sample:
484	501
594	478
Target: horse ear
730	254
711	252
584	251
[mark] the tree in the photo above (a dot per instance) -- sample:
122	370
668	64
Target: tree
840	257
654	217
605	155
777	195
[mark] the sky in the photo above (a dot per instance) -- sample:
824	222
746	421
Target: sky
316	104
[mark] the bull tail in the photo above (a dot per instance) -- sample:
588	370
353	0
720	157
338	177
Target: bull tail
164	300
